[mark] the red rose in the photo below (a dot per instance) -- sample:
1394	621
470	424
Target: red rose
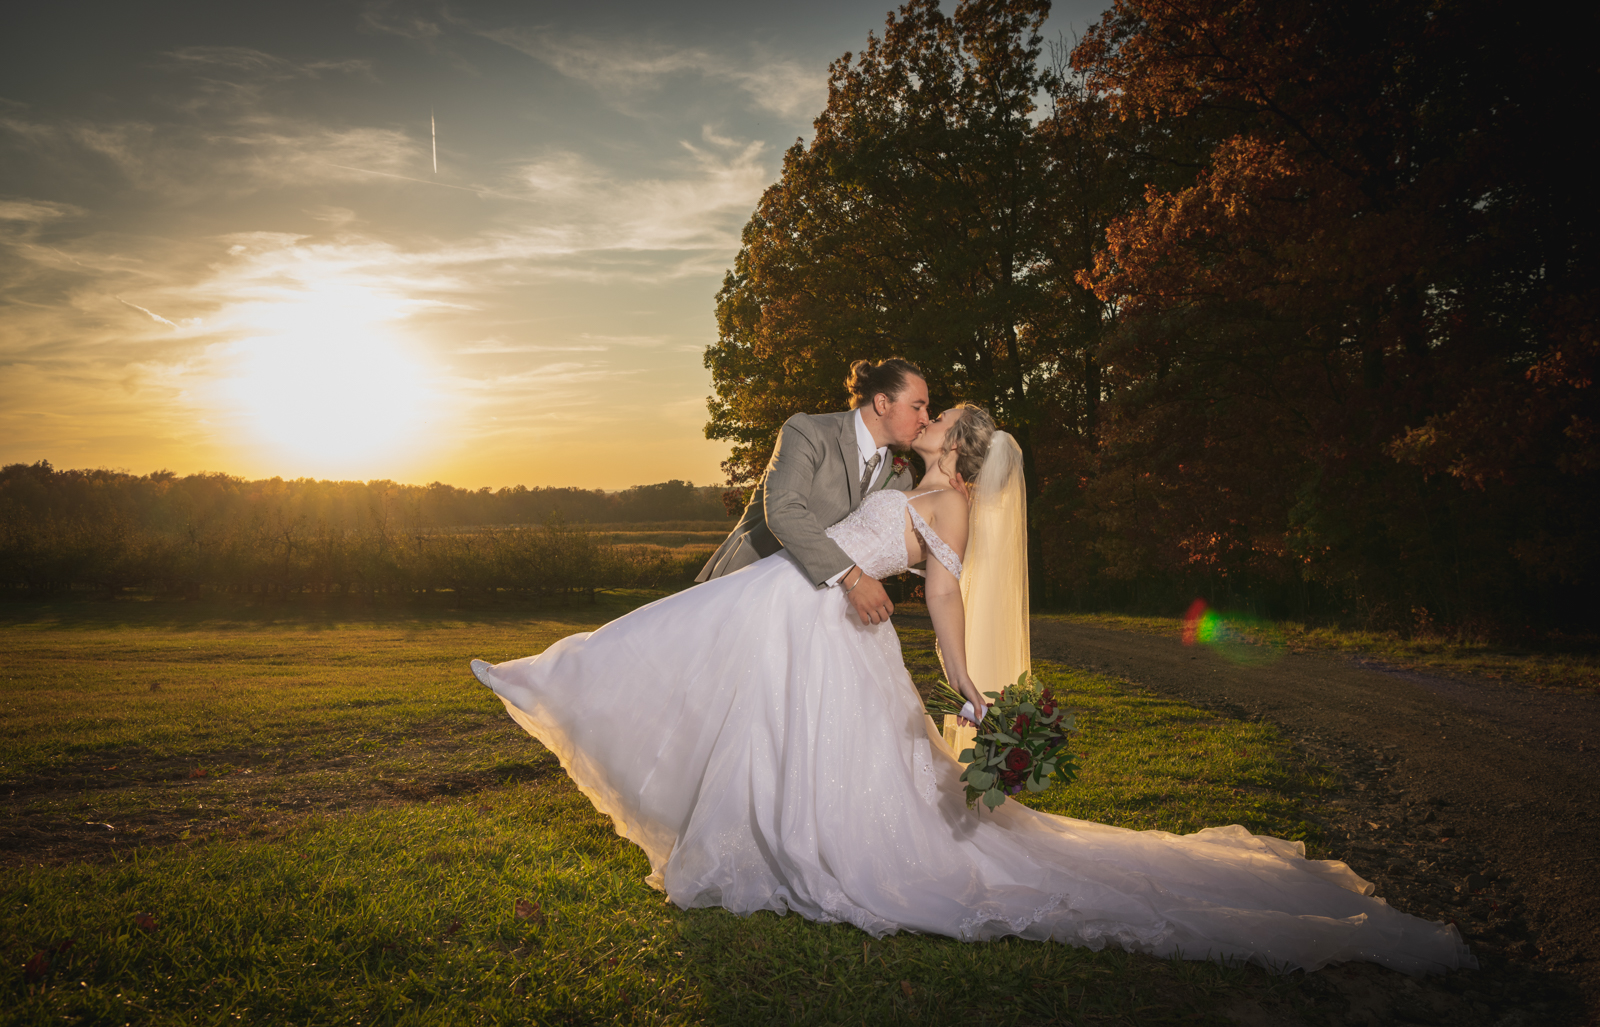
1018	760
1021	725
1046	708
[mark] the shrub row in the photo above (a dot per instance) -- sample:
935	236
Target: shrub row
39	558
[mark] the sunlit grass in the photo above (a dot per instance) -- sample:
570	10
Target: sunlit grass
390	895
1153	763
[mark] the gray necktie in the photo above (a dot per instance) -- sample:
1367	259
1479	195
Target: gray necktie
866	475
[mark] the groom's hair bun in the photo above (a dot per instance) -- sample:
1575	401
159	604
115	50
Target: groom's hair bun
971	436
889	377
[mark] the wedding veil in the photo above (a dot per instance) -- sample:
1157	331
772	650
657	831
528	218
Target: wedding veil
994	577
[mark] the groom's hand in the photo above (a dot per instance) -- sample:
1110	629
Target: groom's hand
871	602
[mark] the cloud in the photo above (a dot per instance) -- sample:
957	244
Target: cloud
381	17
619	70
627	340
574	207
230	152
36	212
258	65
498	347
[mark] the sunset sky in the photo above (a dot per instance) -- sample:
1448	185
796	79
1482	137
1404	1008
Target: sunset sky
223	245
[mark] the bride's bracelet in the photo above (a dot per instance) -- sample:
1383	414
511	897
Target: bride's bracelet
859	576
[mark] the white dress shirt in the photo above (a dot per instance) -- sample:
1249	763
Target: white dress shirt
865	447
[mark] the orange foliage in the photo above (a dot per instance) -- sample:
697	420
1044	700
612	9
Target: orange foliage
1381	271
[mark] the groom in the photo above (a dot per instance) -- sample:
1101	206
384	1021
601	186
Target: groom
823	467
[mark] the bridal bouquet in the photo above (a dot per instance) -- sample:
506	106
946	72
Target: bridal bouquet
1021	741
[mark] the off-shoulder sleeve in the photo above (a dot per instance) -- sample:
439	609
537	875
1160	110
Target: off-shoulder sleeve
941	552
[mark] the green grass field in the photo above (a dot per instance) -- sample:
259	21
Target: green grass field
310	813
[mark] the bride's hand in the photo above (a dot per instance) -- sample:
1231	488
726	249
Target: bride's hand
970	692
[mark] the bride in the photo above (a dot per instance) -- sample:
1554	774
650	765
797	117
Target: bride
767	749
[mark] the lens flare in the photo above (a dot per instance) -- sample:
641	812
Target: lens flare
1237	637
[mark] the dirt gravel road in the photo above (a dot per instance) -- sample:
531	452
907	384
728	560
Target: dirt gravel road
1466	800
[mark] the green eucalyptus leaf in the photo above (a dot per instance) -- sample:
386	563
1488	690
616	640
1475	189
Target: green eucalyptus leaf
993	797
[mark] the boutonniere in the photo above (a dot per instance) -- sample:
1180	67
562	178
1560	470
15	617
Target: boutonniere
900	466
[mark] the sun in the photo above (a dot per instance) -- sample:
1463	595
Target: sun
327	381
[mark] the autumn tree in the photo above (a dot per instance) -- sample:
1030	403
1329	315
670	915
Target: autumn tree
1355	348
918	223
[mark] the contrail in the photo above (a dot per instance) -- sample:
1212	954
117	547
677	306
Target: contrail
434	129
152	315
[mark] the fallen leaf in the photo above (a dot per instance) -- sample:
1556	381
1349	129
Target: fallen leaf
455	925
37	967
144	921
905	986
197	772
529	911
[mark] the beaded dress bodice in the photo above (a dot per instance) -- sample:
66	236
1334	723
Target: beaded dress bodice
874	536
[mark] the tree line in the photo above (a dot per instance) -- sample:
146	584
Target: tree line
108	531
167	502
1289	304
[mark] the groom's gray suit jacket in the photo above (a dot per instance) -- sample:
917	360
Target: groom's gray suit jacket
812	483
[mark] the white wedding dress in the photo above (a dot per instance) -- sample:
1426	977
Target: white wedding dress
769	751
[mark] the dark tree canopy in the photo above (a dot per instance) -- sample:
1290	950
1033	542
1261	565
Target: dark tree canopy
1356	344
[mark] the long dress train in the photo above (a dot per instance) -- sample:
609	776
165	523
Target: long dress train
769	751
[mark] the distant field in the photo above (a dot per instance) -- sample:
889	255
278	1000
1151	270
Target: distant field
707	540
686	543
311	813
719	529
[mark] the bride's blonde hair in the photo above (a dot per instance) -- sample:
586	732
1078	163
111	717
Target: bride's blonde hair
971	436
